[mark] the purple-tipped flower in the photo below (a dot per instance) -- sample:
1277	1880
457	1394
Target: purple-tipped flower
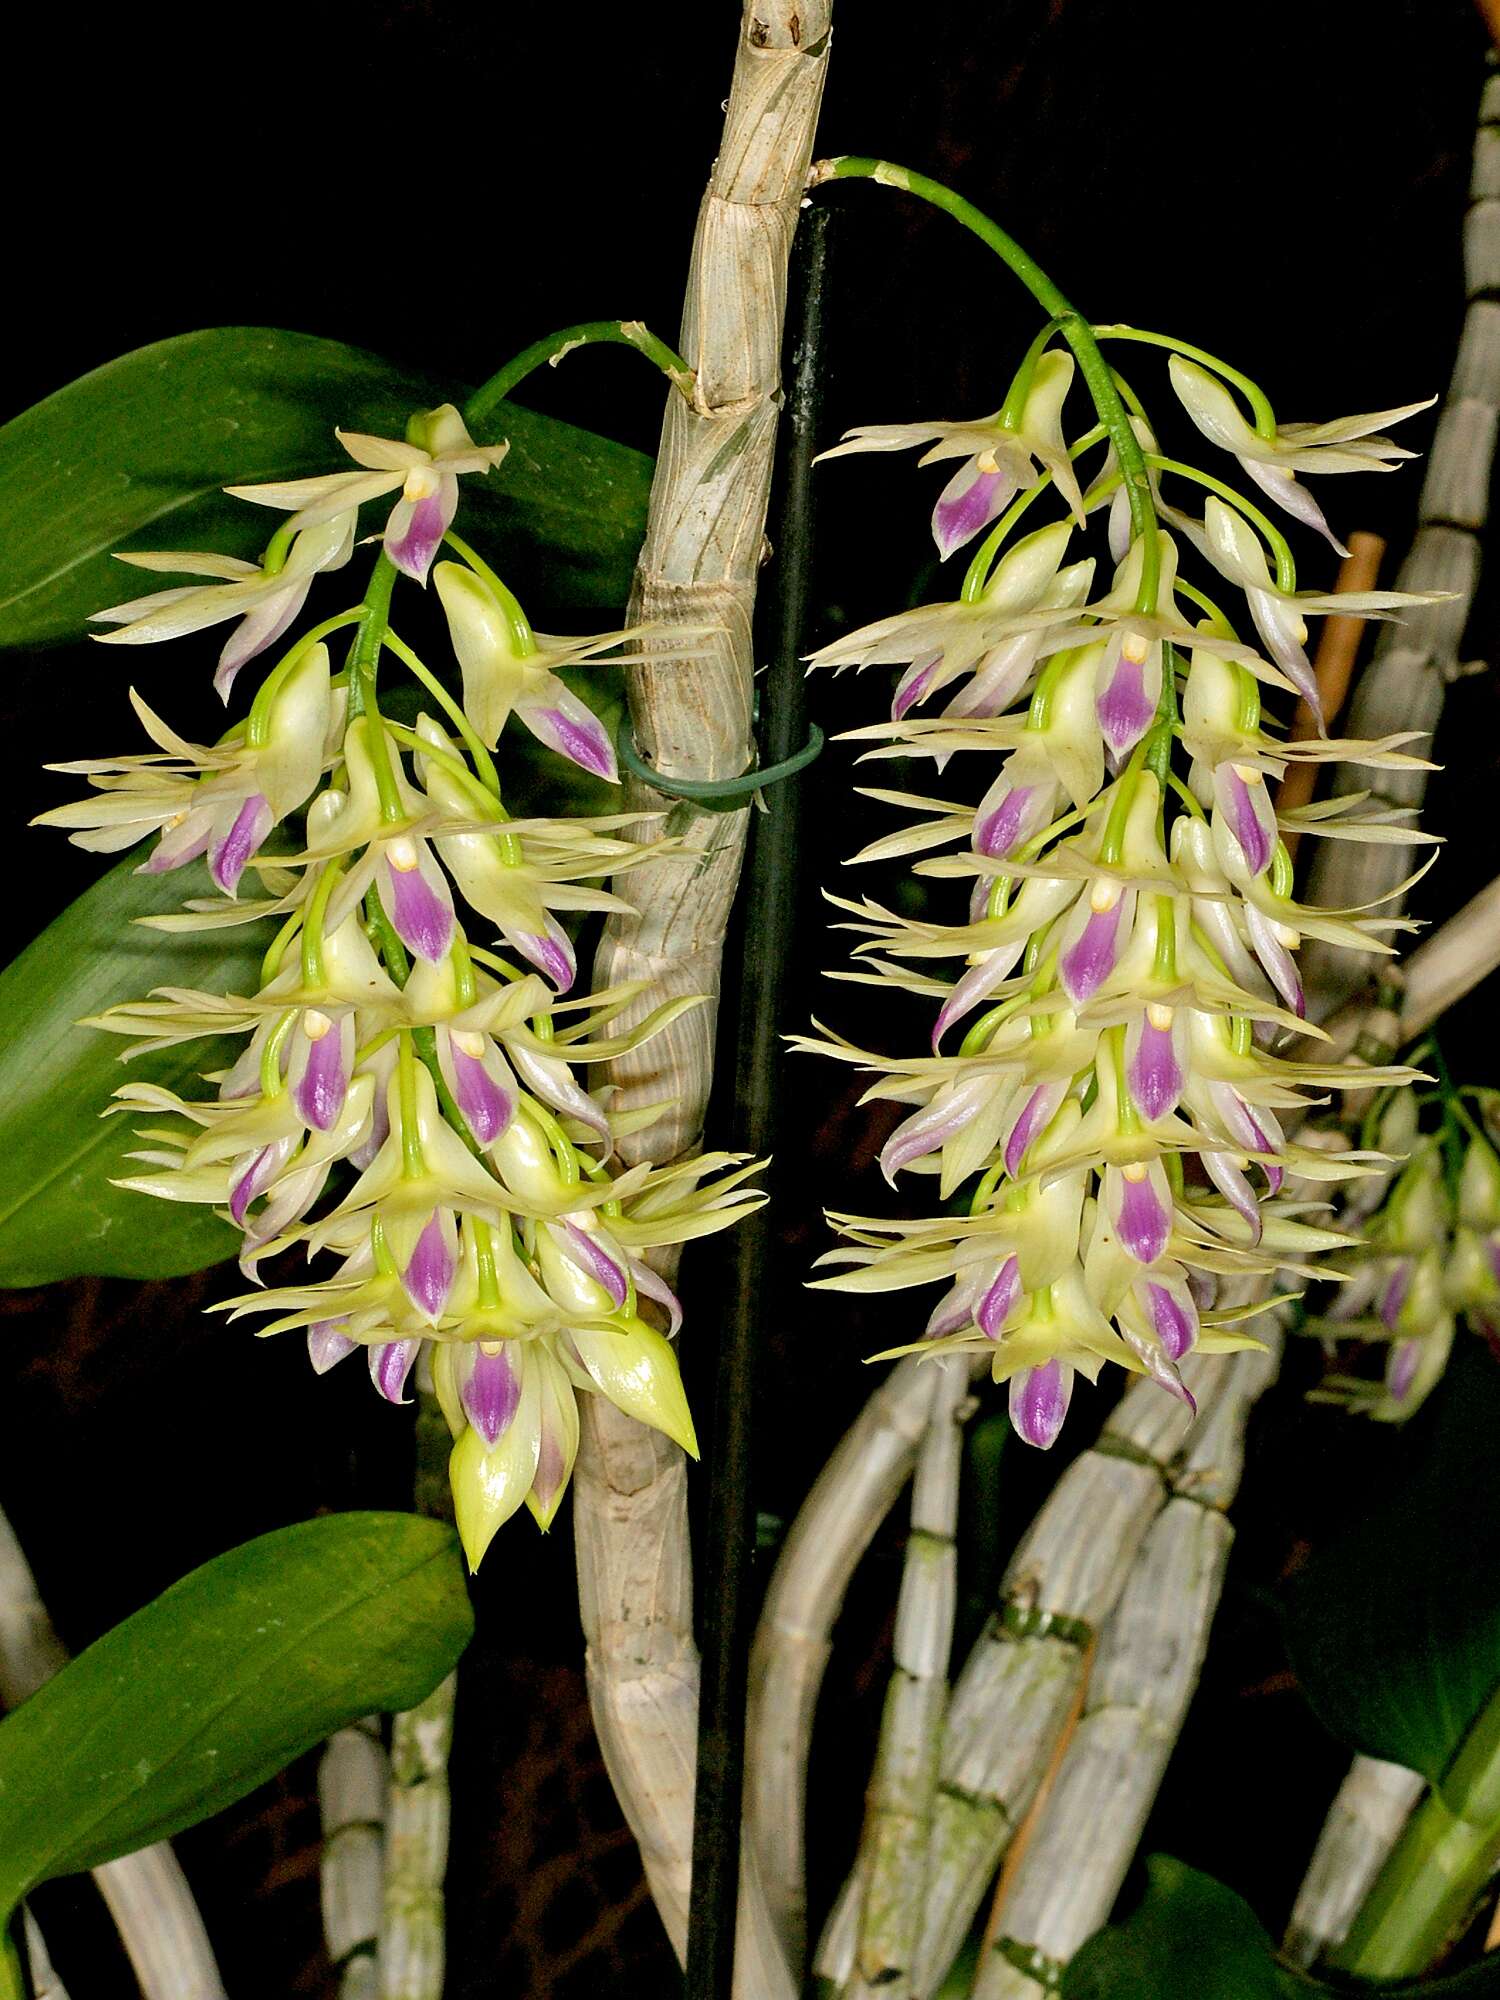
433	1265
1393	1296
489	1388
476	1075
1039	1400
1127	692
978	983
230	853
252	1176
978	493
1243	814
1017	806
551	954
390	1364
1256	1131
1035	1111
1401	1369
328	1344
1154	1073
1094	950
1273	944
321	1068
914	683
568	726
419	520
416	897
1139	1204
999	1300
930	1129
1170	1312
584	1248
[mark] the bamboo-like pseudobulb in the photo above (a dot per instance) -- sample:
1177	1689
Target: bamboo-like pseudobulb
834	1526
892	1862
692	720
1099	1559
147	1893
351	1797
45	1984
1364	1823
1404	684
412	1940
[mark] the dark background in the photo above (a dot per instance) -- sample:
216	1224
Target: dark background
1283	183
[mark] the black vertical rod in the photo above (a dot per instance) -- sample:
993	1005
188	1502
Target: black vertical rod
754	1004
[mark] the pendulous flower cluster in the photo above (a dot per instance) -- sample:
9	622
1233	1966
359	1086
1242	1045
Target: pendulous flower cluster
1428	1251
410	1105
1099	1111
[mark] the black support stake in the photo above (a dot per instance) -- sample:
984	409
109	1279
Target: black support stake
754	988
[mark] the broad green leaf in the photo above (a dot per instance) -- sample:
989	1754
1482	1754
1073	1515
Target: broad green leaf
1394	1629
59	1215
220	1682
134	454
1190	1938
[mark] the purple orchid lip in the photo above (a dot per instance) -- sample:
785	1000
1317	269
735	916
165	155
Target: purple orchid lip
229	858
913	684
254	633
999	1301
254	1177
416	541
390	1364
1393	1298
582	742
491	1392
1036	1113
929	1129
327	1344
324	1084
1006	825
1125	705
1091	958
976	495
552	956
1039	1402
976	984
428	1277
1402	1371
1175	1324
592	1258
953	1310
1153	1074
421	914
487	1108
1143	1222
1249	825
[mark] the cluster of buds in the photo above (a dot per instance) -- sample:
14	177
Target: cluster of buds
408	1101
1428	1254
1102	1102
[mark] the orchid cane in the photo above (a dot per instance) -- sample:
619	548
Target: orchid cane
1107	1125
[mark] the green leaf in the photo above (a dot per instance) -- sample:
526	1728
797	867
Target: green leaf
1394	1628
134	454
1190	1938
59	1215
220	1682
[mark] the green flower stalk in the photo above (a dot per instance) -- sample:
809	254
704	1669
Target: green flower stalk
1100	1105
410	1110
